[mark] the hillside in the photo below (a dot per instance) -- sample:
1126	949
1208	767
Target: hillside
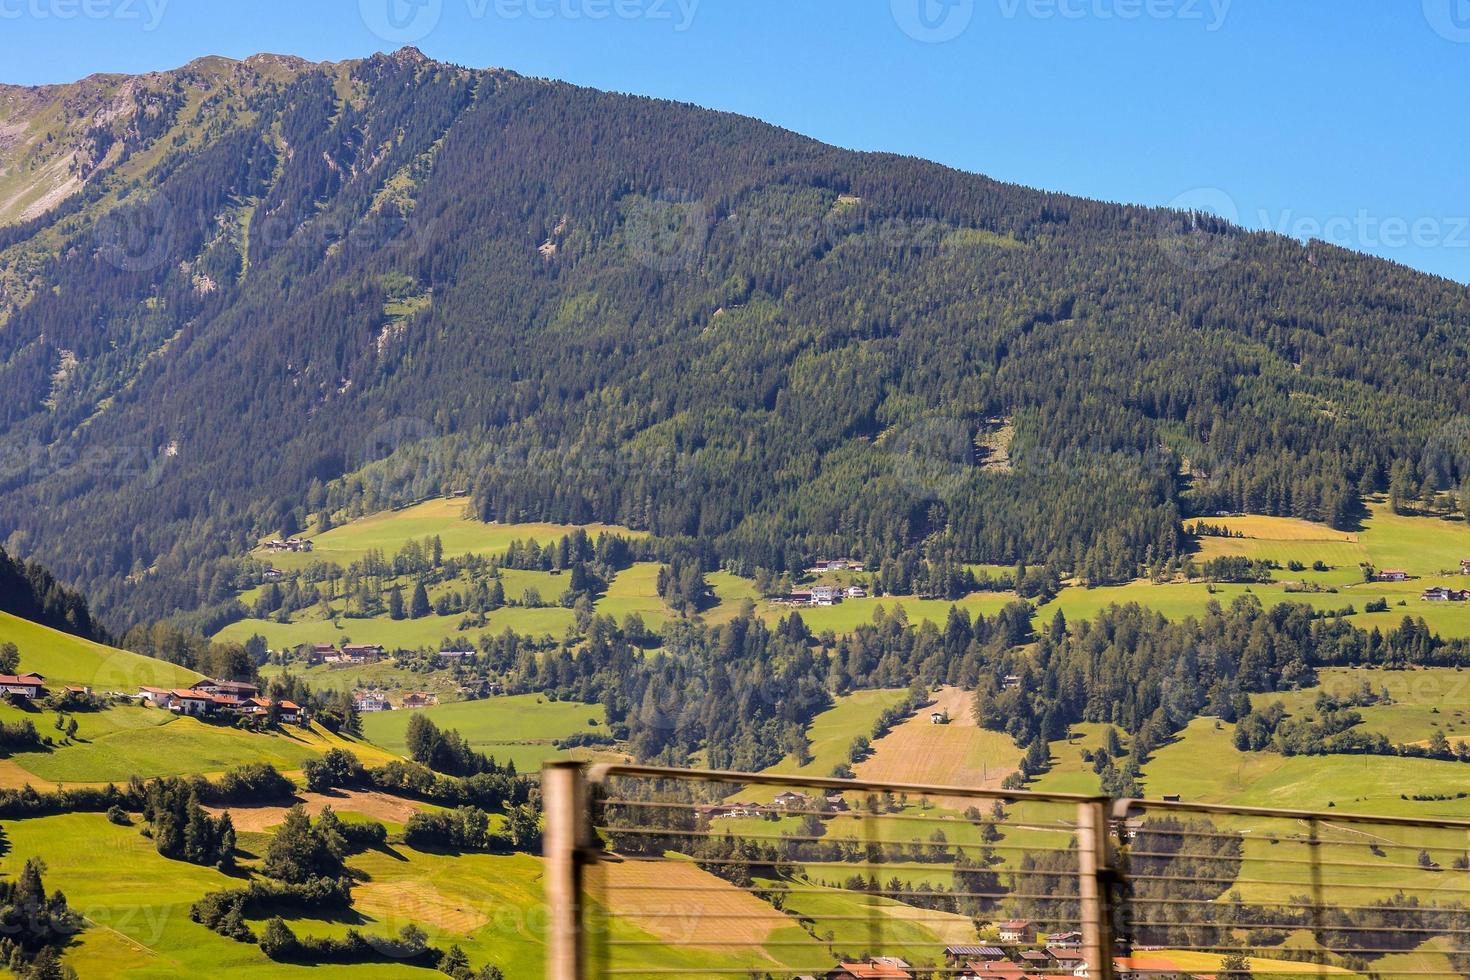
248	292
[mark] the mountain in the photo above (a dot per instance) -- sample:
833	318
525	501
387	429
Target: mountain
239	294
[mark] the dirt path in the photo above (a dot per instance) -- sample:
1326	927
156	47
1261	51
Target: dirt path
379	806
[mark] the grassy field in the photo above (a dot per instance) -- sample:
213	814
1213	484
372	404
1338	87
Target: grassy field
129	741
445	517
832	731
955	754
65	659
1422	701
520	728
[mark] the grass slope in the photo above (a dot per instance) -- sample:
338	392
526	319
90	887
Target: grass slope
520	728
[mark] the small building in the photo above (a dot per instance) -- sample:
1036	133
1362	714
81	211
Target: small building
869	970
274	575
959	955
156	696
788	800
826	595
418	699
28	686
188	701
1017	931
320	652
939	717
290	711
1392	575
1063	940
451	656
1465	566
855	592
366	702
361	653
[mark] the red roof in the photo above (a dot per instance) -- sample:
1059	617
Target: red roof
290	706
878	971
192	695
23	679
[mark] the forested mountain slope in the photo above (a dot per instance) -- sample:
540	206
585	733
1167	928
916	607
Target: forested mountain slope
306	287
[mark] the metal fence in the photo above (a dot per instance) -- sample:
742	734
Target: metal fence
667	872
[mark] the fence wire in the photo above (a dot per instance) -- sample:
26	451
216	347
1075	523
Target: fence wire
693	873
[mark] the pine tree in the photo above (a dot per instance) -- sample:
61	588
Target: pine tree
418	606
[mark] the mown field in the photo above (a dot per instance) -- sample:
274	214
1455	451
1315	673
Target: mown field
520	728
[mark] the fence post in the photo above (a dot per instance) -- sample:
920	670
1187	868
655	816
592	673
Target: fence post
565	798
1095	889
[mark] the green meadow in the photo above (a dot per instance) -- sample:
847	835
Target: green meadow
519	728
445	517
65	659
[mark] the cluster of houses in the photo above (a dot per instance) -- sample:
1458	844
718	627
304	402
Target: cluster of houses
1059	958
287	544
211	698
1442	593
821	595
370	702
823	565
351	653
784	803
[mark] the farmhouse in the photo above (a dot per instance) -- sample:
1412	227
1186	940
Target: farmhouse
959	955
24	685
419	699
288	544
157	696
191	702
320	652
1440	593
834	565
1017	931
360	653
1392	575
855	592
370	701
826	595
236	689
789	799
874	969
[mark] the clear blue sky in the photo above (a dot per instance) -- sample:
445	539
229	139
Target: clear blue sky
1343	119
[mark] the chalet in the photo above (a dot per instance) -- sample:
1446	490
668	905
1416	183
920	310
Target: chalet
958	955
238	689
450	656
228	704
789	800
799	598
1138	967
1063	940
288	544
1010	682
1392	575
1033	959
24	685
78	689
157	696
994	970
837	803
874	969
319	653
418	699
1440	593
290	711
191	702
718	810
826	595
367	702
1017	931
361	653
274	575
855	592
1068	959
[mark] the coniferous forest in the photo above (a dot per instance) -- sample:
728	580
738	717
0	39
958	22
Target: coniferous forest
577	306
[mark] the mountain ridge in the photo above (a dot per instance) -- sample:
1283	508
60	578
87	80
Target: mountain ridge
365	282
